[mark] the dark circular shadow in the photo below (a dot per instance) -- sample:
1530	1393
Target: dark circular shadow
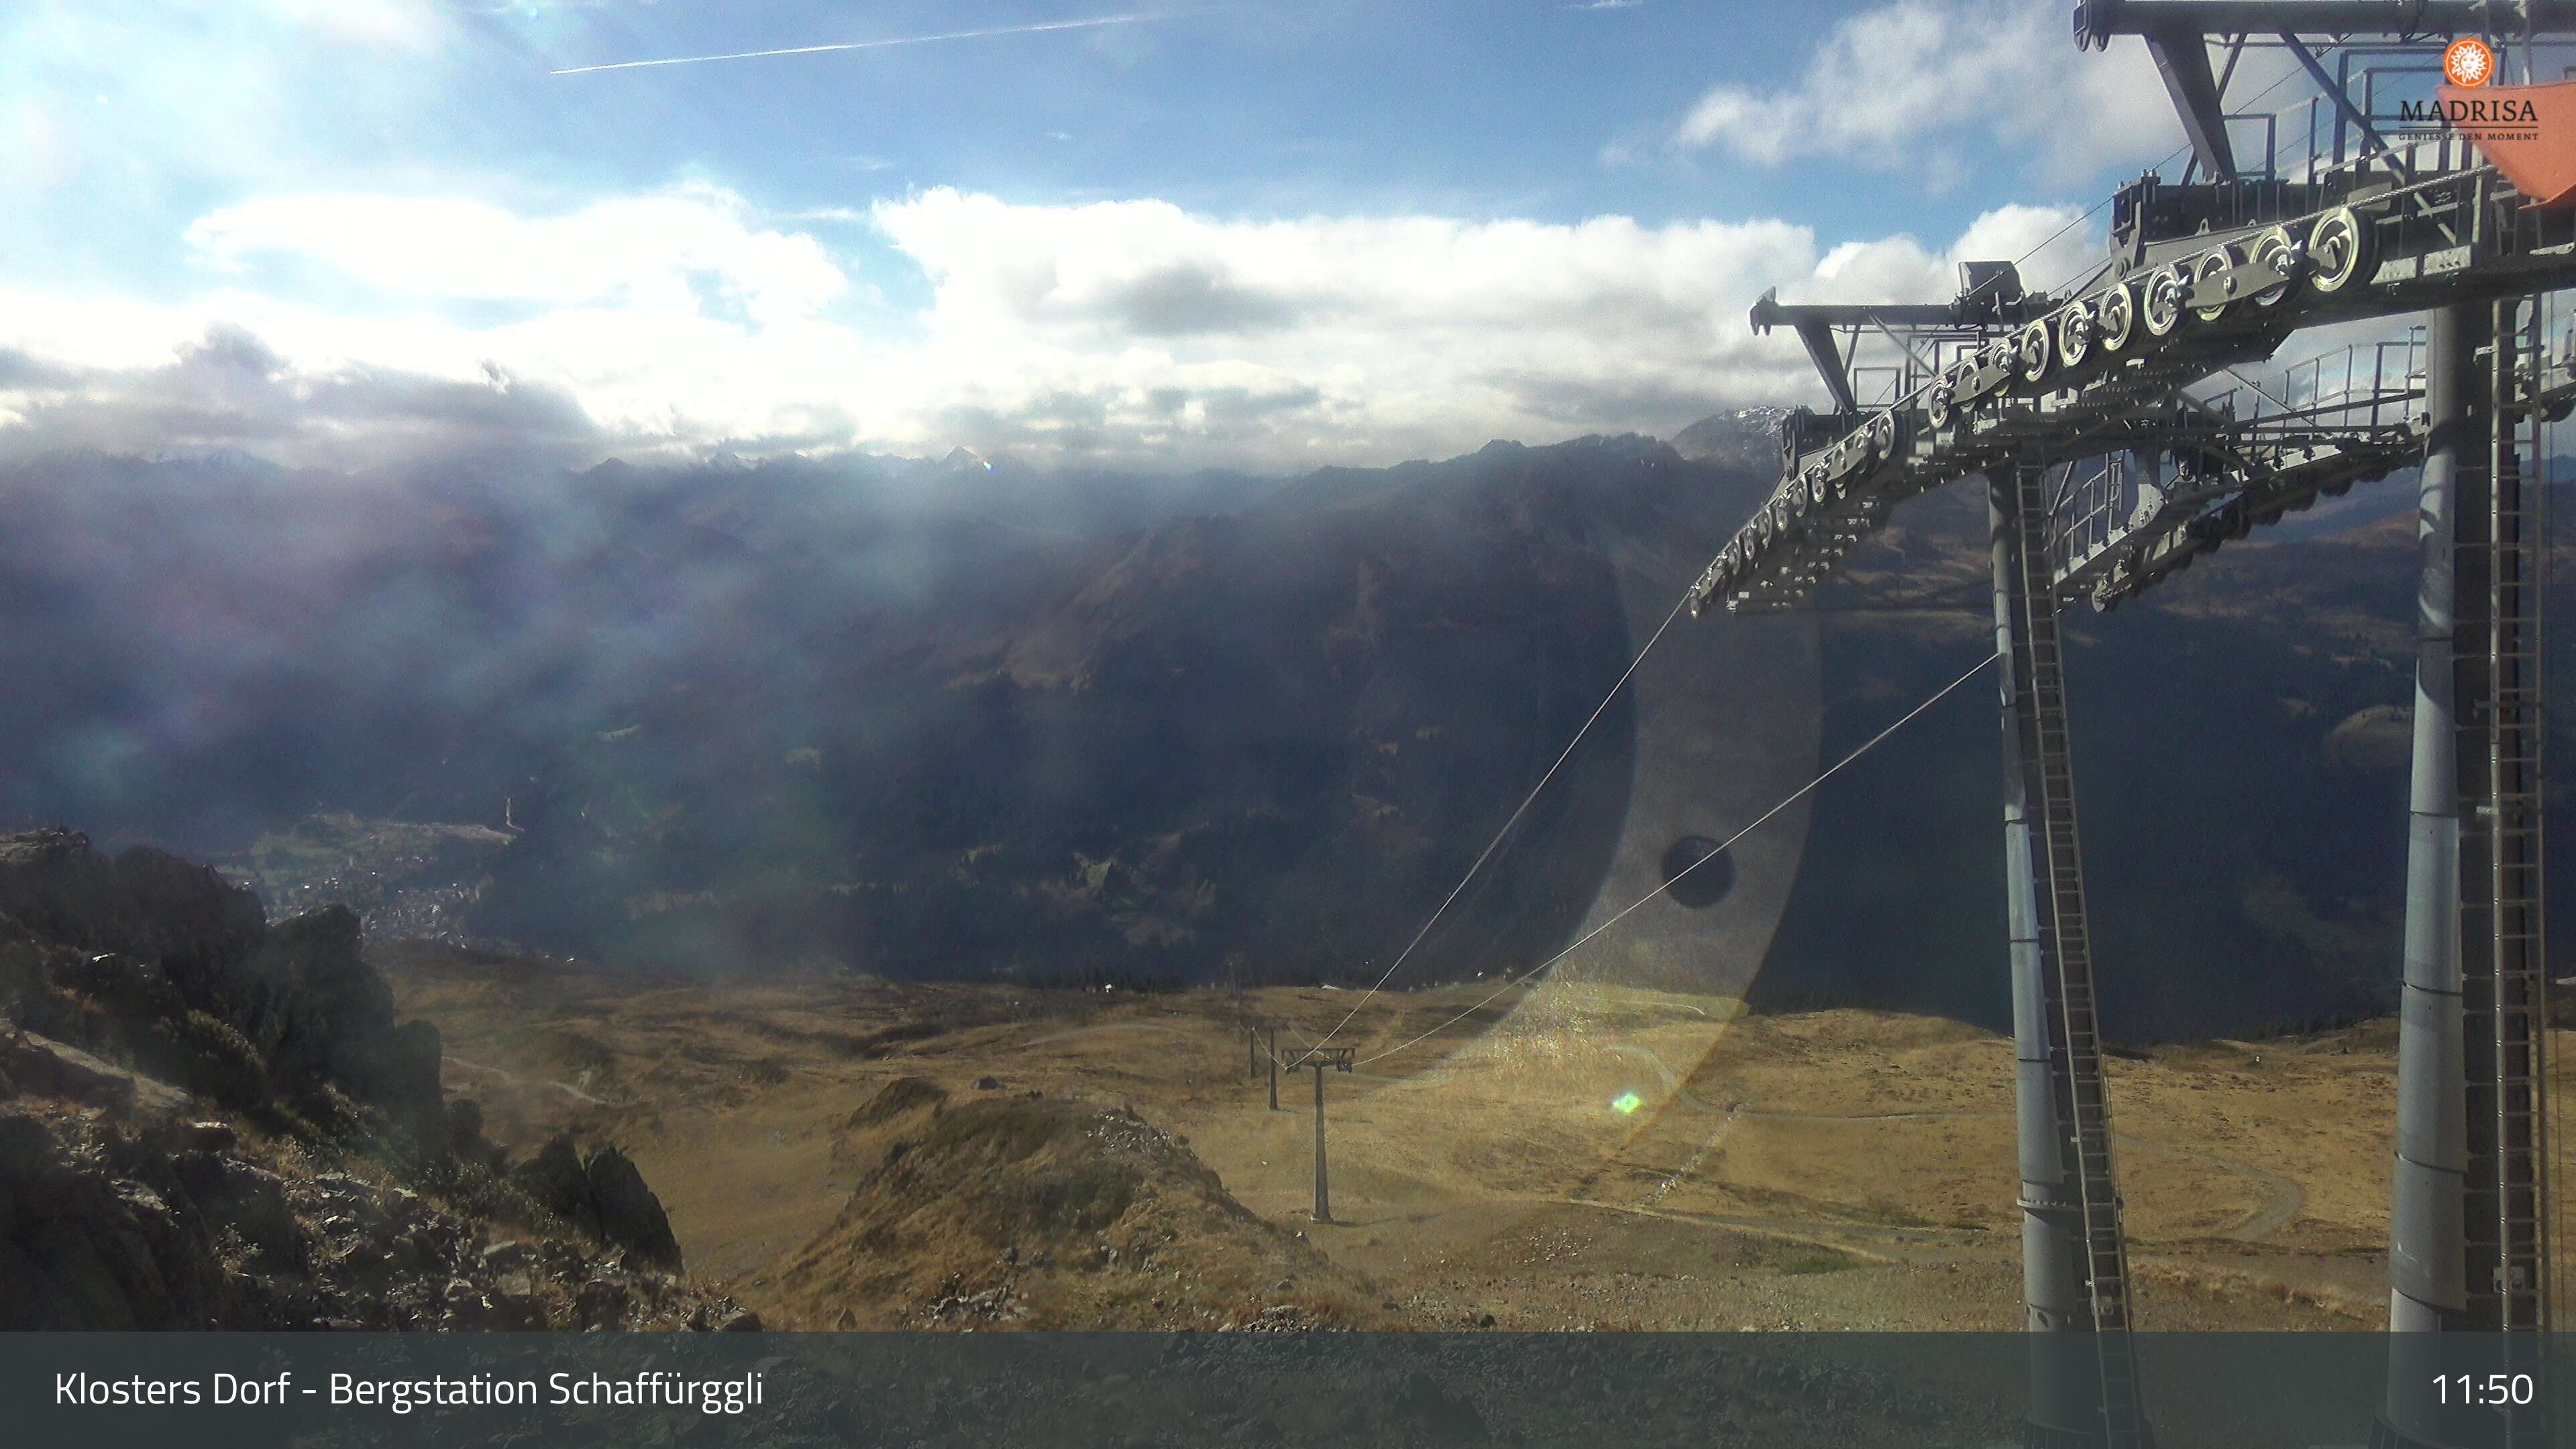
1691	883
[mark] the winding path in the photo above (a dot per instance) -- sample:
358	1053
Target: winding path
515	1080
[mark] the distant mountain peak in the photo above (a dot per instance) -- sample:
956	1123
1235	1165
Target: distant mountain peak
1743	435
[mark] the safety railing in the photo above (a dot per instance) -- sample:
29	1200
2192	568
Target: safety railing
2361	394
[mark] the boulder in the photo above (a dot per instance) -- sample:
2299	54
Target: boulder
34	1066
323	1014
465	1139
628	1212
81	1250
56	886
555	1181
401	1076
604	1300
604	1196
315	1005
723	1315
198	925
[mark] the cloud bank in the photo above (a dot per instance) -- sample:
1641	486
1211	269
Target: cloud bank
683	320
1922	85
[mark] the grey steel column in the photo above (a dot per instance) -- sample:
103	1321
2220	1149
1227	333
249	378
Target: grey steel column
2063	1397
1323	1189
2426	1240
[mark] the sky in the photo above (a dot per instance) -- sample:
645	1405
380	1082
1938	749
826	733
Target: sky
345	233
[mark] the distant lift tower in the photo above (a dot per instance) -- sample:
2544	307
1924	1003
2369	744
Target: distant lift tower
2115	452
1263	1040
1318	1060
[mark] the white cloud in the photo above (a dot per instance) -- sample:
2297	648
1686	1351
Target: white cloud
2049	243
1133	329
1919	84
645	250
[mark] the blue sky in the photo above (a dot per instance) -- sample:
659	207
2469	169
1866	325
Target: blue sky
1259	234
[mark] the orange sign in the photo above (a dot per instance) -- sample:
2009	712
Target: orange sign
2529	132
2468	64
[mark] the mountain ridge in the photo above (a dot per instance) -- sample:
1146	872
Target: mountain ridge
780	714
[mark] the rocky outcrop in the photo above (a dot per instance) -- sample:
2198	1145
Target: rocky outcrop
101	1228
604	1196
188	920
322	1014
53	884
82	1250
191	920
139	995
311	1001
150	959
31	1064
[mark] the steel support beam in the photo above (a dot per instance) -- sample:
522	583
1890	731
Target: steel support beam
2427	1291
2052	1230
2096	21
2372	142
1323	1183
2182	58
1828	358
1769	312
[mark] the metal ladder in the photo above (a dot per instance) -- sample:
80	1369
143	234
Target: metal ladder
2075	1065
2504	973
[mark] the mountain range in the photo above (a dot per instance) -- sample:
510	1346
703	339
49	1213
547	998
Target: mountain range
960	718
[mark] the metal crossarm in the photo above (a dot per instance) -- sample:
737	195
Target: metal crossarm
2215	277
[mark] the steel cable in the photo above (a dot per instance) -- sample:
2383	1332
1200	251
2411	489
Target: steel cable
1794	796
1488	851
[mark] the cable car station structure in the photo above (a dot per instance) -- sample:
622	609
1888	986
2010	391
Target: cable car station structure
2120	439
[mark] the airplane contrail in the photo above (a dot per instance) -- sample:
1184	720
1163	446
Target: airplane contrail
1092	23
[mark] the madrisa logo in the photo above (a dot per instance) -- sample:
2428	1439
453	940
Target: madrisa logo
2481	114
2527	131
2499	115
2469	63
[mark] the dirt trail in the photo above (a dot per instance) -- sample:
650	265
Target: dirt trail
514	1079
